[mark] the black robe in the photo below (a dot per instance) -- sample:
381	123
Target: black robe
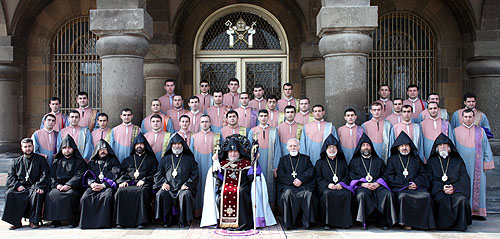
379	202
65	171
27	203
334	205
132	203
97	207
452	211
176	202
414	207
294	201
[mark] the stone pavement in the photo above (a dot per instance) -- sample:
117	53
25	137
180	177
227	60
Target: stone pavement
478	230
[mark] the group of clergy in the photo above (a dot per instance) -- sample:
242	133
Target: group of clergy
386	168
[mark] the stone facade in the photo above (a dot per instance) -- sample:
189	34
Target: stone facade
328	43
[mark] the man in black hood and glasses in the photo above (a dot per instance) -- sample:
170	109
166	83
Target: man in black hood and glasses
176	182
409	179
66	173
450	186
332	183
100	179
135	184
372	194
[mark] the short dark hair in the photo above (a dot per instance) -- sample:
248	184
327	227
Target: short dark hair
103	115
184	116
178	95
194	97
231	112
290	107
256	86
380	87
349	110
218	91
432	93
126	110
433	102
156	116
204	81
412	86
288	84
469	95
205	115
305	98
169	80
264	111
54	98
50	115
397	98
27	141
156	100
270	97
408	106
83	93
233	79
375	103
318	105
244	93
74	112
468	111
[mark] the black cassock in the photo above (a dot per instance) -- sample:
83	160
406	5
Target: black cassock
26	203
132	203
294	201
379	202
414	207
97	207
452	211
334	205
59	205
176	202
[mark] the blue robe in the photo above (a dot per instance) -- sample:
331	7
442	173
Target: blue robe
45	146
311	147
84	142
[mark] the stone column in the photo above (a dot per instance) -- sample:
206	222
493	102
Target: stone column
155	74
9	96
484	76
343	27
313	72
123	28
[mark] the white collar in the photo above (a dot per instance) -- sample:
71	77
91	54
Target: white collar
127	125
289	99
286	121
437	117
350	126
156	131
319	121
195	112
307	112
50	132
468	127
185	132
204	94
259	100
84	108
406	123
384	100
263	127
413	100
244	107
205	132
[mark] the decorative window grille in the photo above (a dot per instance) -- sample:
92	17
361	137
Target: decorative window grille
265	37
403	53
76	65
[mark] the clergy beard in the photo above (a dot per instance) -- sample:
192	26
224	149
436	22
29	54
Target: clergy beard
294	153
68	155
139	150
404	153
366	153
232	159
443	153
331	155
177	151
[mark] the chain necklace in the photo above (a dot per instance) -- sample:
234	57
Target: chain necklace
101	172
405	169
368	177
444	178
26	168
334	178
136	174
294	170
174	172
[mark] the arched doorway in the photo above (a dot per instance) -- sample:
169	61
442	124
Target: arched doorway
242	41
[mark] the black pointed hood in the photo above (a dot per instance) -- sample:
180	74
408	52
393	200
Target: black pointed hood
141	139
331	140
364	139
234	143
403	138
443	139
176	138
100	145
68	141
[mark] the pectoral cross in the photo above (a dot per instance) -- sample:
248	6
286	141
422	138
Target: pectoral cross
294	174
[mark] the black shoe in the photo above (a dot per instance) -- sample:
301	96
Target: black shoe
55	224
141	226
479	218
165	225
364	226
73	224
327	227
119	226
385	228
181	225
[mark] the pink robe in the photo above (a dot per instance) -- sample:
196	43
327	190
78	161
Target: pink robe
228	131
394	118
217	116
258	104
304	118
386	107
175	115
418	106
61	121
88	118
99	134
282	103
166	102
158	141
185	135
194	125
205	102
274	118
349	138
247	117
232	101
287	131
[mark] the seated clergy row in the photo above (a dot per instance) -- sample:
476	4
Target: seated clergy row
104	193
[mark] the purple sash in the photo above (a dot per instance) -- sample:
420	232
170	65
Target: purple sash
444	127
90	174
346	187
354	183
477	169
253	117
359	134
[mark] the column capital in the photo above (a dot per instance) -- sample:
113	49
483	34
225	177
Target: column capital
105	22
483	68
155	70
9	72
348	43
346	15
314	68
